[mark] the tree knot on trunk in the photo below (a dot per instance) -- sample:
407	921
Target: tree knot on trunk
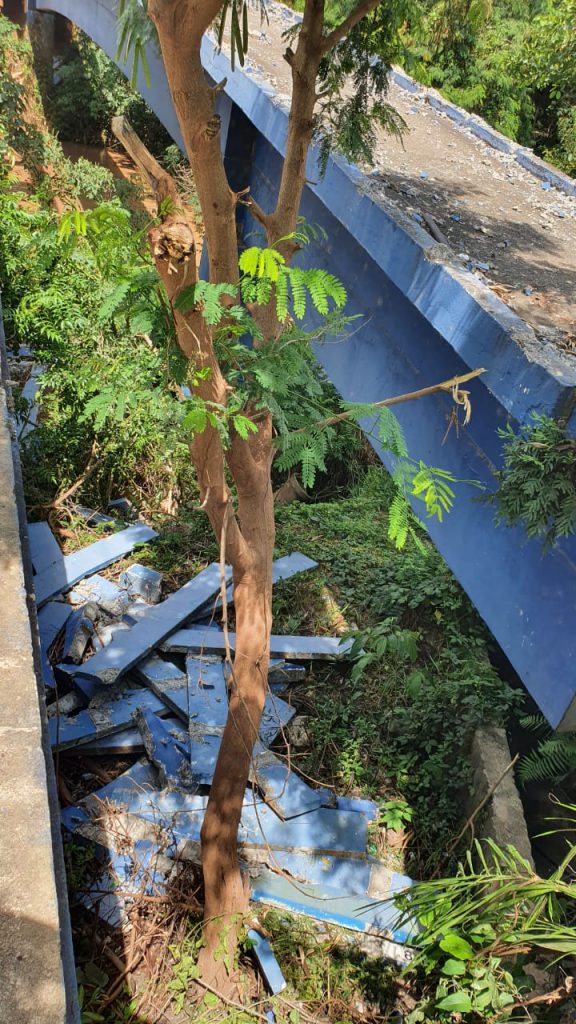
173	241
213	126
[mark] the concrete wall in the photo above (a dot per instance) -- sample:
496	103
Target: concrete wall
424	319
37	976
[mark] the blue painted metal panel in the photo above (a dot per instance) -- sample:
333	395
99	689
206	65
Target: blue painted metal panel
334	906
44	548
210	640
267	962
71	568
51	620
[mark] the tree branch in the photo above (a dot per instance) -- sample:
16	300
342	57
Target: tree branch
409	396
356	15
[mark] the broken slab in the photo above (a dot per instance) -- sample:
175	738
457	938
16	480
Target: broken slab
78	633
51	621
335	906
282	569
44	548
140	581
209	640
167	747
267	962
133	646
103	717
70	569
325	831
103	592
284	791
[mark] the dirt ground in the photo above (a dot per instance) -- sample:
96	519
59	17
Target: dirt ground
489	208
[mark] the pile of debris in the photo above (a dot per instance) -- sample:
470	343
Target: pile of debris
128	673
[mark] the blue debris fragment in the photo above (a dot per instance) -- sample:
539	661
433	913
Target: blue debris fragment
103	592
167	748
208	640
129	648
44	548
79	632
62	575
139	581
51	620
267	962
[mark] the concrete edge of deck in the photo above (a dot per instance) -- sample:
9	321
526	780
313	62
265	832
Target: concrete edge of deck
36	956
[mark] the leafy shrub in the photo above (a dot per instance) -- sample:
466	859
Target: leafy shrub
537	483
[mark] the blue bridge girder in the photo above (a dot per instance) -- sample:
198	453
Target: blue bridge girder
424	320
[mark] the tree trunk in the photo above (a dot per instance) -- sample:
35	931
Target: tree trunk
248	540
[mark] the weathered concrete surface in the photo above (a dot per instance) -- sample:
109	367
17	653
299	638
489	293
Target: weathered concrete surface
503	817
36	962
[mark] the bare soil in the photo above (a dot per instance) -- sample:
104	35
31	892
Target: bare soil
489	208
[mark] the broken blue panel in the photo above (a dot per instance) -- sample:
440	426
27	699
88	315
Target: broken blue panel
103	898
323	831
205	743
128	741
166	681
350	803
282	569
207	692
334	905
208	640
44	548
167	748
124	506
72	568
51	620
284	791
351	875
275	717
204	750
94	518
129	648
140	581
267	962
101	718
281	673
106	594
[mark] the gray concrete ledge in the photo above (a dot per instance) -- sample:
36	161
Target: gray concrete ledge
37	977
503	817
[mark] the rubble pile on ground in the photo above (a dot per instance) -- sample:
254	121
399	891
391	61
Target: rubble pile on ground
129	673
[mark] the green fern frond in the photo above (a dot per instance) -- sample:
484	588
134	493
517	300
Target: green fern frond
398	520
551	760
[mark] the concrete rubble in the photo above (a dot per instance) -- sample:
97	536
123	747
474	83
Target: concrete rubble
127	672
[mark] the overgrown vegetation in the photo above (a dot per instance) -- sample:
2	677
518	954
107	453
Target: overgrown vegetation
537	482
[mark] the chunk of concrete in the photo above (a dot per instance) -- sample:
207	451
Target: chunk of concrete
503	817
140	581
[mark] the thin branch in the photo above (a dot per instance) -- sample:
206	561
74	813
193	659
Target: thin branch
356	15
409	396
91	465
470	821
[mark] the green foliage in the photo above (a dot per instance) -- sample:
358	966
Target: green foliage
472	926
90	90
553	758
401	727
537	482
